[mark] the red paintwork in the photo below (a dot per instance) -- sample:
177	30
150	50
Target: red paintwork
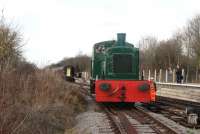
132	92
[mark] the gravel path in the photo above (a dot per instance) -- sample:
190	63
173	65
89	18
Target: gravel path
93	121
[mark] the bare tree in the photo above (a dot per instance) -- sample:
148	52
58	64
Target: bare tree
182	48
147	48
160	54
10	44
194	31
192	39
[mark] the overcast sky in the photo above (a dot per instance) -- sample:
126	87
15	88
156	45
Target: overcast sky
54	29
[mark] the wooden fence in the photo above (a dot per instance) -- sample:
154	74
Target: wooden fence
168	76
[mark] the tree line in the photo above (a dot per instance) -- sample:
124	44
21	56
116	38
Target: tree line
182	49
81	62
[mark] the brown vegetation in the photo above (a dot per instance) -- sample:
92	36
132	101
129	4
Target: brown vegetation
37	102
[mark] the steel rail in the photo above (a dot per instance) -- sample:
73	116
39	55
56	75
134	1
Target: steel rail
158	126
124	125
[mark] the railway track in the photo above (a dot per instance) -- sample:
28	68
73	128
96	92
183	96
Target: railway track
180	111
119	121
144	117
181	104
136	120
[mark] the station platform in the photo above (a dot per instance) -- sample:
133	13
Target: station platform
188	92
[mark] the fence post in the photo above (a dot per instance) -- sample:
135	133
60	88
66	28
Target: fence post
197	74
173	75
160	75
166	75
155	75
143	73
183	74
149	76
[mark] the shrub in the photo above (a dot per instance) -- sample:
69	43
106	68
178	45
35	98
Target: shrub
10	45
40	102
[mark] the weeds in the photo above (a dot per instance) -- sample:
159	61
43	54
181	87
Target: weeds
37	101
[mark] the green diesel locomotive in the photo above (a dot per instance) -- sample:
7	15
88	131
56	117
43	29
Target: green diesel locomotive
114	69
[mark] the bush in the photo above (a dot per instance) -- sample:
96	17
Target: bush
10	45
40	102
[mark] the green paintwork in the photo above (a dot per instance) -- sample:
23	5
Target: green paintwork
102	60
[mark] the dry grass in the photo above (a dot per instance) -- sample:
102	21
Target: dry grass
37	102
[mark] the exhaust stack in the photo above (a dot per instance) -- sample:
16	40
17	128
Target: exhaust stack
121	39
